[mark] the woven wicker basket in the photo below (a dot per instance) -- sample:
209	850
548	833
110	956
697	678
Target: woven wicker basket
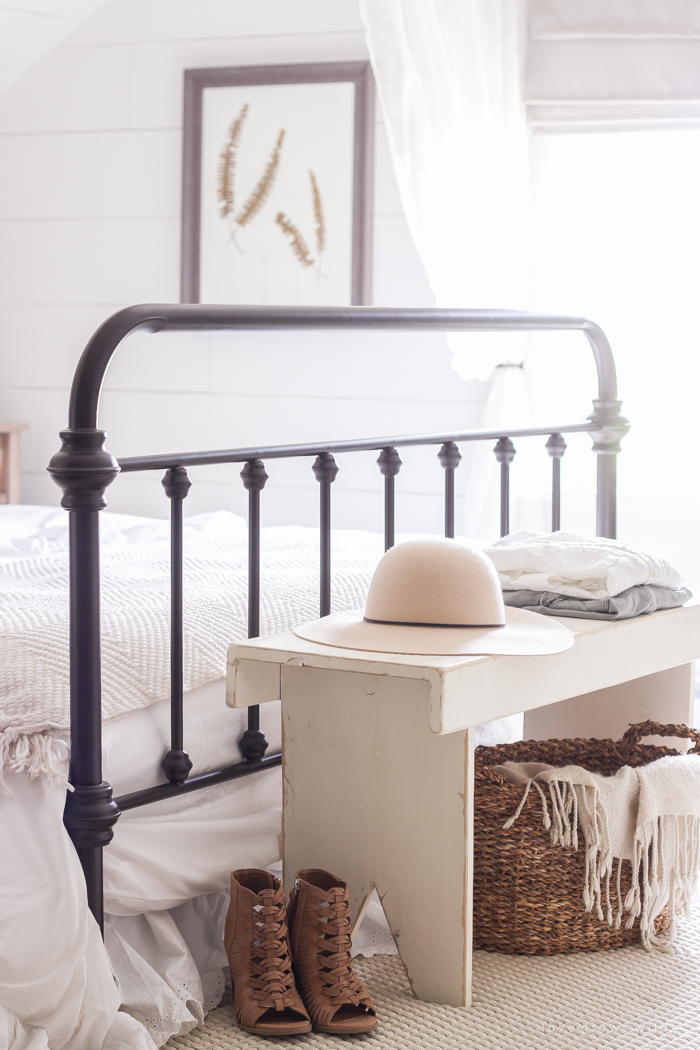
528	891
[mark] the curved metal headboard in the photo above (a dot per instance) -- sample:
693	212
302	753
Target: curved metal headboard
83	469
92	366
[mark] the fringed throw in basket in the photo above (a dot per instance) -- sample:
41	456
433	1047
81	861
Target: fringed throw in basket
528	891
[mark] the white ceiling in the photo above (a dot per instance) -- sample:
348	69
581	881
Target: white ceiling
31	28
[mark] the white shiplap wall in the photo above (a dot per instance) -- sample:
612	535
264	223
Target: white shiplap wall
29	29
90	161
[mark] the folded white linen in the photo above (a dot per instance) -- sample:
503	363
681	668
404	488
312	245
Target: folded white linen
579	566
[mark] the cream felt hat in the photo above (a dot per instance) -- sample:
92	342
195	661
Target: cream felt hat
436	597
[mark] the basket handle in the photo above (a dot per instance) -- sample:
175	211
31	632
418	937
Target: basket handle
641	729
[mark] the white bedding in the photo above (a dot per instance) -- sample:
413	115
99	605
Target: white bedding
135	558
134	746
167	868
168	865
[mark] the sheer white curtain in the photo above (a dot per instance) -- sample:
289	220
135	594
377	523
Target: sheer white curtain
449	78
452	80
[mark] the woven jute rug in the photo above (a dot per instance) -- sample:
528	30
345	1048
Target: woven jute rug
625	998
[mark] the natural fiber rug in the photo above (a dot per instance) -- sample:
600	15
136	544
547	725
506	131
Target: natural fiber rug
615	999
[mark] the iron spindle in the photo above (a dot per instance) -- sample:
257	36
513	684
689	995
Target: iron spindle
389	464
325	471
504	452
253	744
449	456
556	447
177	763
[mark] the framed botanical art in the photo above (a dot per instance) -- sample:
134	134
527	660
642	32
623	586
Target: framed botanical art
277	185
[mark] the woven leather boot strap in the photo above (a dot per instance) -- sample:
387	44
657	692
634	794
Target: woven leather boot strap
335	971
271	977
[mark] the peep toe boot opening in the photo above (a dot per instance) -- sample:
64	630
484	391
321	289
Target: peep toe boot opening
265	998
320	928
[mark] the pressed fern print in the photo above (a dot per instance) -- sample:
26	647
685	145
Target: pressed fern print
318	215
264	187
238	220
226	185
227	165
296	240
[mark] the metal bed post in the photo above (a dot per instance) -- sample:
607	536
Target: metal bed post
84	469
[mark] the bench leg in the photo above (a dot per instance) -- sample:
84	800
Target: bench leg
666	696
373	796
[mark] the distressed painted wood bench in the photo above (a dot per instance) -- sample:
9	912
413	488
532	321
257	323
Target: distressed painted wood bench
378	757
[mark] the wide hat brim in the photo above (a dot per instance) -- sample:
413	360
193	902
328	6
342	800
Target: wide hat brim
525	634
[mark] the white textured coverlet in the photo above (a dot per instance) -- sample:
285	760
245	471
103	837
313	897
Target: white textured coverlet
580	566
34	692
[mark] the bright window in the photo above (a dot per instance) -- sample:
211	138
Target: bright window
617	239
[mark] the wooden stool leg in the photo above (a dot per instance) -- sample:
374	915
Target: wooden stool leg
665	696
373	796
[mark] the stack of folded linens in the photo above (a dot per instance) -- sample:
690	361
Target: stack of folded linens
565	574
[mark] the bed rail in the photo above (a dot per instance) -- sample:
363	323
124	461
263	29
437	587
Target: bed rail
83	469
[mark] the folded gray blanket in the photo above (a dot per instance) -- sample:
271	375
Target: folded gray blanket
633	602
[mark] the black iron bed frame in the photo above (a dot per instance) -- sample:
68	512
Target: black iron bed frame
83	469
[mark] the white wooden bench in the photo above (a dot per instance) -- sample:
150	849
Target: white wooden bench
378	757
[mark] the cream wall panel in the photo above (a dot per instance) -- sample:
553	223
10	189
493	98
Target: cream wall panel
157	67
29	30
386	193
70	90
24	34
163	20
173	362
159	421
41	345
386	365
7	75
47	410
91	174
404	283
66	9
39	489
89	261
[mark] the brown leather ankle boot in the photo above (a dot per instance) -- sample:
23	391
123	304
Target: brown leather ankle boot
319	930
265	998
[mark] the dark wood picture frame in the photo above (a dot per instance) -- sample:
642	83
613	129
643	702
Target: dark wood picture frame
196	80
